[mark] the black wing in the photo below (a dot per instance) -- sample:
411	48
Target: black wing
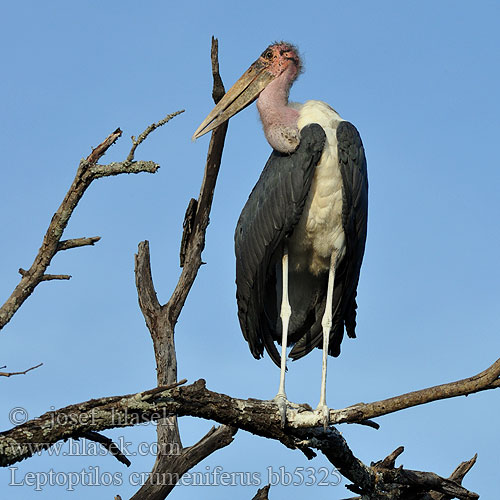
270	214
352	164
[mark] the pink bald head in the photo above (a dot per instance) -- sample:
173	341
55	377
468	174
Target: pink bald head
279	57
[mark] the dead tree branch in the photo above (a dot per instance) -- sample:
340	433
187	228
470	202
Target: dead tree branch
485	380
456	476
9	374
47	277
262	493
142	137
77	242
88	171
258	417
195	241
108	444
161	320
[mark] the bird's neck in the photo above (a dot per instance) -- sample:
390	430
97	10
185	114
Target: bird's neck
279	120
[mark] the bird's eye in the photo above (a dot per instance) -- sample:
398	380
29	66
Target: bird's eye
268	54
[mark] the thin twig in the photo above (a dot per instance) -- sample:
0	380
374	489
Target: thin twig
9	374
52	277
47	277
487	379
367	423
77	242
142	137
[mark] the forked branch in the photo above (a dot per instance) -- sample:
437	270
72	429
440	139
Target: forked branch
87	172
161	320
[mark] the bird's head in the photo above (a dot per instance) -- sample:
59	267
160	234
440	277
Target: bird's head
278	59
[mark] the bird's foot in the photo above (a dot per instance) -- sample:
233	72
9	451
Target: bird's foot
324	413
282	403
285	406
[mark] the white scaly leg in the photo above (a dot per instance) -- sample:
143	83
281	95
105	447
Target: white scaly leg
286	312
326	323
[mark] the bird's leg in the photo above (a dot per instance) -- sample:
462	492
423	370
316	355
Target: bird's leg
326	323
286	312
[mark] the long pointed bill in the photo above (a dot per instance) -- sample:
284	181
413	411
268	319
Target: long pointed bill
239	96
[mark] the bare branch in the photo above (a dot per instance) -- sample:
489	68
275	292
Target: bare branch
213	440
457	476
47	277
108	444
335	448
416	485
218	89
423	482
196	243
390	460
259	417
9	374
117	168
459	473
262	493
52	277
173	467
146	292
142	137
487	379
77	242
100	151
87	172
187	226
367	423
161	321
256	416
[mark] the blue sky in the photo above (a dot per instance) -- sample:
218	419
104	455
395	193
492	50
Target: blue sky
420	82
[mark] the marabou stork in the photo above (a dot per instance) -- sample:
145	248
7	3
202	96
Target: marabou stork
301	236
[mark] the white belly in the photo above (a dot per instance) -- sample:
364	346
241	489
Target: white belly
319	232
